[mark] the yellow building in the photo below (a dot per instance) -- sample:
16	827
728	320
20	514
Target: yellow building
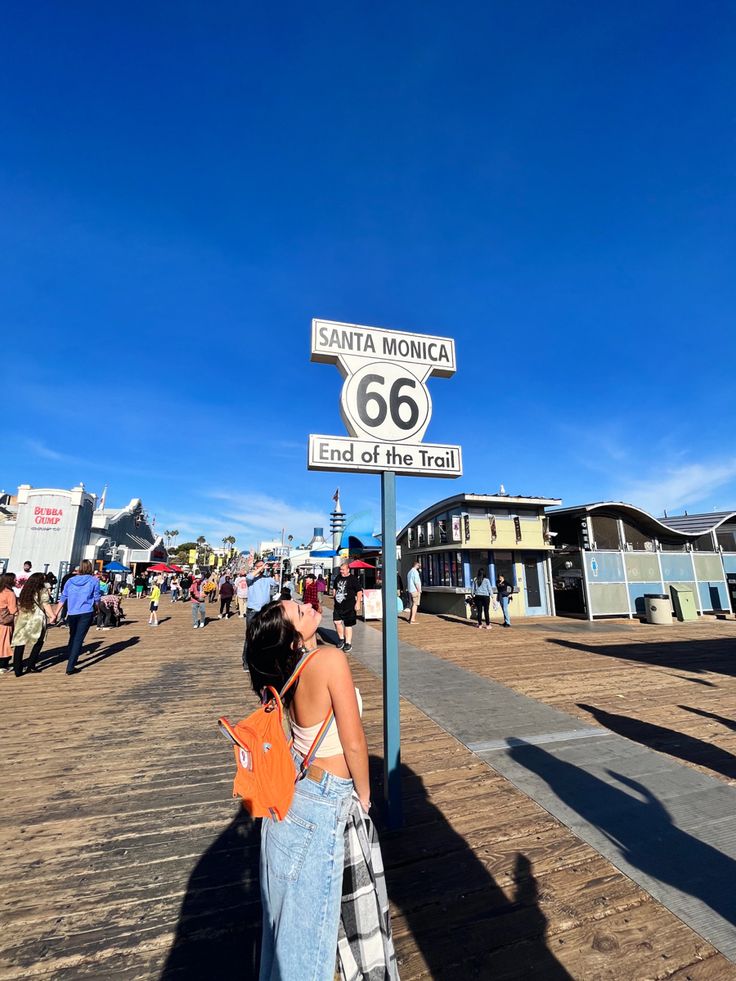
501	534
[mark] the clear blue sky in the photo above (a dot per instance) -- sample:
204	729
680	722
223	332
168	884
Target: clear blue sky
183	186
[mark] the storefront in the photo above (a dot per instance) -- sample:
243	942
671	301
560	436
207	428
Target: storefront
501	534
608	556
55	529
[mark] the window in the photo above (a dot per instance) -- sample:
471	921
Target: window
430	533
442	531
421	536
409	537
605	532
634	537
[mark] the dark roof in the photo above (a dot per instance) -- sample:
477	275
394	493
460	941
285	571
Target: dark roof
698	524
621	509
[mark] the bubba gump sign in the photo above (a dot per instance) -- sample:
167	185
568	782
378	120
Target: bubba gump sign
47	517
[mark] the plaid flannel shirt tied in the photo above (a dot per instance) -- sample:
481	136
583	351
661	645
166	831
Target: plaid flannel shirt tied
365	948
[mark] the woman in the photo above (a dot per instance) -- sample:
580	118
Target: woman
35	611
80	594
8	610
504	591
482	592
227	591
302	856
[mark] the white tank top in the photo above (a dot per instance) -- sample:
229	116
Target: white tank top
331	745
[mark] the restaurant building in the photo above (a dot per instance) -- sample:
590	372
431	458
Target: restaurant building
608	556
55	529
503	534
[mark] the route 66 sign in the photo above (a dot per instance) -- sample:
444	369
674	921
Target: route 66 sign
384	399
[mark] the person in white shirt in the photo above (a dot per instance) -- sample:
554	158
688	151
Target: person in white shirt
414	587
241	593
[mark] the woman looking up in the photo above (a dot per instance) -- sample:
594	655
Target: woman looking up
302	856
34	613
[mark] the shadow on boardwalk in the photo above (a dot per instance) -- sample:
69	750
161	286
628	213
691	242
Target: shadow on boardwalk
640	828
715	656
669	741
461	923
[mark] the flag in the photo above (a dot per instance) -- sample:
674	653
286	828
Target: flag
336	495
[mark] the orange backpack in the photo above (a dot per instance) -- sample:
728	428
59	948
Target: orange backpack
264	775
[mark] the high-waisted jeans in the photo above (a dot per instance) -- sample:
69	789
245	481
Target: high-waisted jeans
302	861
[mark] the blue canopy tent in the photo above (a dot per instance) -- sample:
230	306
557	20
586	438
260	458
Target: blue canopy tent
323	553
358	534
116	567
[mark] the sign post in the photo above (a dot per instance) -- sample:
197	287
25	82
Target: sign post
386	407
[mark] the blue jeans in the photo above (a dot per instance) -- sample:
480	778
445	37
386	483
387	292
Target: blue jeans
198	611
79	624
504	601
302	861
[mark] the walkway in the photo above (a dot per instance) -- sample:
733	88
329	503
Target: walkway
123	855
669	827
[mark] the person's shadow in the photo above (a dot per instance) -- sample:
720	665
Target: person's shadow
218	934
639	828
460	921
462	924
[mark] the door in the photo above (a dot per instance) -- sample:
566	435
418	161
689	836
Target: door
533	585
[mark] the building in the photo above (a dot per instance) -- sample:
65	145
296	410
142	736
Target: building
717	530
506	535
609	555
55	529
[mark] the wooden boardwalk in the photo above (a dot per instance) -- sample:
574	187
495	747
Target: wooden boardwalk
124	855
670	688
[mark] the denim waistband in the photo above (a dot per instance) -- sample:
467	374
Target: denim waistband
329	785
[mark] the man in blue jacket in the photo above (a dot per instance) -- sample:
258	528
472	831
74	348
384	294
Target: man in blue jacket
80	593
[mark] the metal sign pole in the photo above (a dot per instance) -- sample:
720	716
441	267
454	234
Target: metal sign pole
391	728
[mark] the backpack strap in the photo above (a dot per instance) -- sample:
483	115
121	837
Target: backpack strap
305	763
301	665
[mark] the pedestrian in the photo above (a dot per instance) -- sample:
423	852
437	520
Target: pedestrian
80	594
8	611
196	596
174	589
210	590
35	612
261	588
21	578
241	593
414	588
186	585
288	587
140	582
504	591
482	591
348	596
109	612
104	585
321	584
302	857
227	591
311	592
153	608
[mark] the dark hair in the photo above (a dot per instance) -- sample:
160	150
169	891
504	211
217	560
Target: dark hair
7	580
273	646
33	586
480	577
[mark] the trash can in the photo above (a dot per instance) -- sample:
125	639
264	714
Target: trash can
658	607
683	600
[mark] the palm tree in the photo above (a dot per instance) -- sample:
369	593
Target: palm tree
167	535
174	534
201	543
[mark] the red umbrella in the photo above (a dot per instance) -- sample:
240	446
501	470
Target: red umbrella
175	568
160	567
360	564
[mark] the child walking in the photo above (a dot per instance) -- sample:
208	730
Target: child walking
155	597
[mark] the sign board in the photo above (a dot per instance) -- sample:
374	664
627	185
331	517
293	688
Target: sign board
370	456
385	403
281	551
372	604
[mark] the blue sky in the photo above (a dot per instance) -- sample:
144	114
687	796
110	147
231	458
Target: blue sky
183	186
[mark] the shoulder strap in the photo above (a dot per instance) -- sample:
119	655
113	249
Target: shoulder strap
301	665
318	739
